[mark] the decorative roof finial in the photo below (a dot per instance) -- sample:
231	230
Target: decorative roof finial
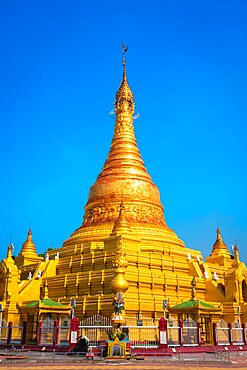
219	234
124	50
46	296
29	234
193	291
10	250
124	102
236	260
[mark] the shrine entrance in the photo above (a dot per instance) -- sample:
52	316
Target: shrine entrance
32	329
206	331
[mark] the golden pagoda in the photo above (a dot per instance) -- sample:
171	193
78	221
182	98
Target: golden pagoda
123	207
124	246
28	254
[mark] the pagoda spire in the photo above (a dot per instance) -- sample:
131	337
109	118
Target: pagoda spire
124	177
219	247
121	225
10	251
124	156
236	260
124	101
28	248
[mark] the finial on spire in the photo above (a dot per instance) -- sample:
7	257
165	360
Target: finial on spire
10	238
236	255
124	50
124	102
10	250
121	208
218	234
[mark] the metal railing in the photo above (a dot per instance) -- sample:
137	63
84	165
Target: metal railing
16	335
47	335
138	336
3	334
143	336
63	336
223	335
173	336
238	336
190	336
96	334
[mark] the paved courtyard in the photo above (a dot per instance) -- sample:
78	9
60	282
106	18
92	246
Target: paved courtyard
46	361
119	366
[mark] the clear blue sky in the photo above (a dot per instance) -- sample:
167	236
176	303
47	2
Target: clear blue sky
60	67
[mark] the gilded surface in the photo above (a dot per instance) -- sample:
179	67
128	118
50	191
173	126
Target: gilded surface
119	282
134	213
119	260
124	177
29	247
219	247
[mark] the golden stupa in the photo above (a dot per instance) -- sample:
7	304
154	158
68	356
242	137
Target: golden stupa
124	246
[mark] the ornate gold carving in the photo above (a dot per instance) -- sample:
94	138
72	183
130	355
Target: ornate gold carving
119	260
123	127
134	213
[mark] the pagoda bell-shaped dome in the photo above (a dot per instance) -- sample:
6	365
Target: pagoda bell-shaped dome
219	247
28	254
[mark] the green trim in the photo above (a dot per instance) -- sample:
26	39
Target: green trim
32	304
206	304
45	302
192	303
50	302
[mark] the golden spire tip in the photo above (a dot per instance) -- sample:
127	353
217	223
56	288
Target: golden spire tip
124	50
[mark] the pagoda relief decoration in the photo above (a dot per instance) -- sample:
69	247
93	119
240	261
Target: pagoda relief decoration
119	283
119	260
139	213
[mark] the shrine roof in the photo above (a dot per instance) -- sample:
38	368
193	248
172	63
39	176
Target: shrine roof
45	302
193	303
